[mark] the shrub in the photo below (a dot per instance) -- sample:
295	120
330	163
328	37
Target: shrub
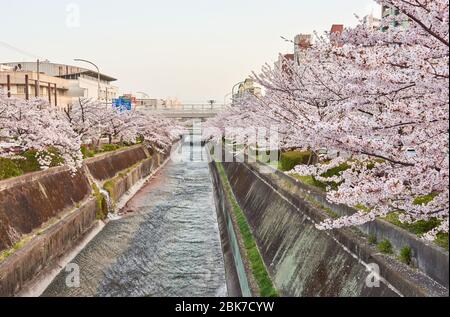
419	227
406	255
311	181
30	162
442	240
385	247
423	226
8	169
26	162
110	147
336	171
373	239
102	205
87	152
362	207
289	160
425	200
139	140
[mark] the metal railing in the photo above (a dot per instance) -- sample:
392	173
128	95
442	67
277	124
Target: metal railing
187	108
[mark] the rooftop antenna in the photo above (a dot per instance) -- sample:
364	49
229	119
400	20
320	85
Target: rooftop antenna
34	56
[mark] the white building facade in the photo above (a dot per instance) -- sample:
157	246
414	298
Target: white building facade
82	82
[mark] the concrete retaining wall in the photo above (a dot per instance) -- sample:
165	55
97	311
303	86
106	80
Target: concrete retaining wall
49	211
27	202
426	256
304	261
123	182
108	166
236	270
43	250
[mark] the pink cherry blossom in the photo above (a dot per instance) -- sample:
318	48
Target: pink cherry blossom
34	125
380	100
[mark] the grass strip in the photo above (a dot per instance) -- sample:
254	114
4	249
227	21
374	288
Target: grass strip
258	267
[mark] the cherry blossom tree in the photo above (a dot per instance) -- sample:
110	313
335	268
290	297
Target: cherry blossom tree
34	125
93	120
380	98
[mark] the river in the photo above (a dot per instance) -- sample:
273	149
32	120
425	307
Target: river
168	246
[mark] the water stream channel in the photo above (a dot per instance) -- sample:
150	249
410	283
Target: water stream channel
168	246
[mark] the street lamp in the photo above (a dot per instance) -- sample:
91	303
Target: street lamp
225	98
143	94
98	72
232	91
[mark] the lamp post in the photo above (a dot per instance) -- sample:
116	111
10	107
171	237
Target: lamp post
38	81
98	73
232	91
225	98
143	94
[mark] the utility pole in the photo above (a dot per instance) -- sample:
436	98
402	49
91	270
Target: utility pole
106	97
225	98
232	91
38	82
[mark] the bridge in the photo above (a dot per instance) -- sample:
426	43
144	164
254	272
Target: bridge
187	111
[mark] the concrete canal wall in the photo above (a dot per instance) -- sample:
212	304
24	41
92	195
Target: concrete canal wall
303	261
426	256
236	270
43	215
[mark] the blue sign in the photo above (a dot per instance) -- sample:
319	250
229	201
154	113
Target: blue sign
122	104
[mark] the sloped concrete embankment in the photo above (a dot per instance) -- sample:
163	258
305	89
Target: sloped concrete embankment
426	257
237	271
43	215
303	261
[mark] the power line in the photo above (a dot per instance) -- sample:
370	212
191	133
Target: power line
11	47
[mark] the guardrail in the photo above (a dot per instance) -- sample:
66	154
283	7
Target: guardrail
189	108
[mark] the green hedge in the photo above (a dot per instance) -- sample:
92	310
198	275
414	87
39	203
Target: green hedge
110	147
9	169
289	160
336	171
442	240
30	162
89	151
419	227
26	162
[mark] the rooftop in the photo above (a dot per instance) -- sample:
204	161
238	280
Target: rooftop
59	70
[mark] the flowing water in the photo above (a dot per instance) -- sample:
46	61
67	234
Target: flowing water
168	246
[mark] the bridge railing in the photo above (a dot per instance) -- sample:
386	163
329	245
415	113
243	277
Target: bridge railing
187	108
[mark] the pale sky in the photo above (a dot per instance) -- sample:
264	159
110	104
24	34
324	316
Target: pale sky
194	50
